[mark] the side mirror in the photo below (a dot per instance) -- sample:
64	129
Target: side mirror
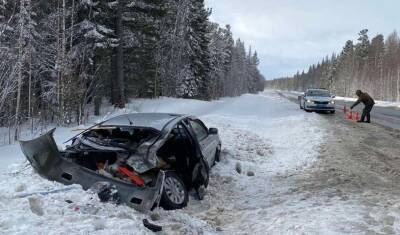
213	131
334	96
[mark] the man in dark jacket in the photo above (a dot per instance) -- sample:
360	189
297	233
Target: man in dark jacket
368	102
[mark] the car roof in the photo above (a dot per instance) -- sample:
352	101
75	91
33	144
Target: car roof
149	120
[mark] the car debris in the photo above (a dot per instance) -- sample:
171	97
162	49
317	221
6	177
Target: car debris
151	226
44	193
238	168
141	160
106	192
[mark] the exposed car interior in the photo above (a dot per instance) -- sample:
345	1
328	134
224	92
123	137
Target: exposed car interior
105	149
179	152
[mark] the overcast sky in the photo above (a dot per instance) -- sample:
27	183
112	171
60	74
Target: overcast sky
289	35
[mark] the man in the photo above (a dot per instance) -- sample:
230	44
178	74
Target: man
368	102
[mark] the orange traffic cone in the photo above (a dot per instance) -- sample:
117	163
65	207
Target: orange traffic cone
350	115
357	116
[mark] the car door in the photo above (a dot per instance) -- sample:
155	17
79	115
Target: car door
208	143
201	166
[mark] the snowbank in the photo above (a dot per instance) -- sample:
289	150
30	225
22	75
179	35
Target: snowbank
378	102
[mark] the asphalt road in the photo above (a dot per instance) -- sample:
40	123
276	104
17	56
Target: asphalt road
386	116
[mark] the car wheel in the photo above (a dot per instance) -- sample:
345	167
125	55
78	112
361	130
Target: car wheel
333	112
175	195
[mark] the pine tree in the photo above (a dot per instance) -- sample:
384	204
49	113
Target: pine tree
199	56
28	37
362	47
142	46
375	65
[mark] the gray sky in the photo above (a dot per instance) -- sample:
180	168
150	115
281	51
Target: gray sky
290	35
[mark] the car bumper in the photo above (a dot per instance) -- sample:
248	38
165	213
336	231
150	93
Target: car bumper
47	161
320	107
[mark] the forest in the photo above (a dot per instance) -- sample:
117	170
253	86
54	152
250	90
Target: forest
62	59
369	65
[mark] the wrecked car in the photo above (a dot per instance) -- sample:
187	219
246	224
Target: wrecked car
151	159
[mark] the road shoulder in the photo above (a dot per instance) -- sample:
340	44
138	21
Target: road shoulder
358	168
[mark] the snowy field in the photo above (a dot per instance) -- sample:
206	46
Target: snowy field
262	134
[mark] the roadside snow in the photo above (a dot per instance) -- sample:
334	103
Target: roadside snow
264	134
378	102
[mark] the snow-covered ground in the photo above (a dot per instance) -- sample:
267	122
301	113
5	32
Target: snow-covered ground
262	134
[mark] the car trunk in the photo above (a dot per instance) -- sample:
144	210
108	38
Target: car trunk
74	168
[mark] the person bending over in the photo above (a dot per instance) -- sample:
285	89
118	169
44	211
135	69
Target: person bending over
369	103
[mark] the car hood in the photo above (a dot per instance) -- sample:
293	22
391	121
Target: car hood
318	98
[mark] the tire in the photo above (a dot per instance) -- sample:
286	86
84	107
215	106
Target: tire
175	195
333	112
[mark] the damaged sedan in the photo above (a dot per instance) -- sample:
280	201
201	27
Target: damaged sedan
149	159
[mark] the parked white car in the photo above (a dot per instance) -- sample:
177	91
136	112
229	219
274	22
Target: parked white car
317	100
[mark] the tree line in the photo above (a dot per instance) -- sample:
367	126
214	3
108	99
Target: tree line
62	58
369	65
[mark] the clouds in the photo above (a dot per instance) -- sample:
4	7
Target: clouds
292	34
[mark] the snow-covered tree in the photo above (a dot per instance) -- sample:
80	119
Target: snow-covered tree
61	57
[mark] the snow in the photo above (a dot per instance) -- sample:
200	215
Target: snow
379	103
264	134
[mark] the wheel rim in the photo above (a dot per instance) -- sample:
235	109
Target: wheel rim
174	190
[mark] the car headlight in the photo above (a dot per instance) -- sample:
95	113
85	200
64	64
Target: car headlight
332	102
310	101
